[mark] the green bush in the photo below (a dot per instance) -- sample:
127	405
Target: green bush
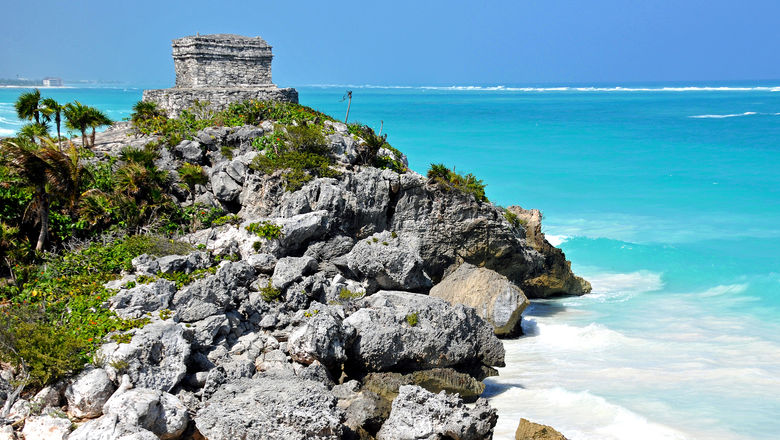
269	293
265	230
346	294
301	153
513	219
412	319
449	179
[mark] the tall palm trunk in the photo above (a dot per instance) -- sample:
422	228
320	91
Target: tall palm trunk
43	216
92	138
84	138
58	121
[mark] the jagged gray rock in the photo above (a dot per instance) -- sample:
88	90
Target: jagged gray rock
214	294
442	335
269	408
385	262
184	263
46	427
299	230
420	415
224	187
143	298
109	427
88	393
156	356
156	411
190	151
291	269
495	298
263	263
322	337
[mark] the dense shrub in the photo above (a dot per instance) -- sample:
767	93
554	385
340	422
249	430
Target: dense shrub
301	154
449	179
265	230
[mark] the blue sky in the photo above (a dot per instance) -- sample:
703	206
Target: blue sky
423	42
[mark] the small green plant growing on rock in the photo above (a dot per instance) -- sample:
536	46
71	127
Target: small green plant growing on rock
192	175
412	319
512	218
393	234
449	179
165	314
346	294
265	230
269	293
226	219
311	314
119	365
122	338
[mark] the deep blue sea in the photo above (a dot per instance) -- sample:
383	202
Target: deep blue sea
666	197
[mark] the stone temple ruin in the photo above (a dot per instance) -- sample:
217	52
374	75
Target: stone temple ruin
219	69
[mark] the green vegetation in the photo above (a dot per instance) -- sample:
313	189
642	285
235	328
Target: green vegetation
346	294
266	230
368	152
513	219
53	318
449	179
269	293
301	154
192	175
148	120
412	319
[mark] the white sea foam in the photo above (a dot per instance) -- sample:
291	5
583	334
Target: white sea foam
733	115
502	88
578	415
556	240
568	337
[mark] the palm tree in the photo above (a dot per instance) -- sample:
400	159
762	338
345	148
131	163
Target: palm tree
52	107
34	131
77	118
97	119
45	169
28	106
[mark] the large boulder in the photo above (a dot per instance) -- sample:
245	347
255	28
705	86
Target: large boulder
386	261
88	393
408	331
418	414
215	294
557	278
495	298
109	427
291	269
527	430
139	300
156	357
271	408
46	427
153	410
434	380
322	337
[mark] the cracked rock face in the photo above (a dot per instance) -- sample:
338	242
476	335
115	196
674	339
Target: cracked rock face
418	414
271	407
408	331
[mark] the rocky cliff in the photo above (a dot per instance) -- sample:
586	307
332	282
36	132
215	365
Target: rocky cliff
309	316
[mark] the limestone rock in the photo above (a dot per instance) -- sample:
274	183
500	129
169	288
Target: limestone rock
143	298
46	427
190	151
88	393
387	262
321	338
299	230
153	410
224	187
558	279
155	358
263	263
418	414
109	427
434	380
184	263
291	269
442	335
270	408
527	430
214	294
495	298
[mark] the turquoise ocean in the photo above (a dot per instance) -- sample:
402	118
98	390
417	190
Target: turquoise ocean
665	196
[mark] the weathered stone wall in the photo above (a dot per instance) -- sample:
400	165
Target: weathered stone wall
222	61
176	99
219	69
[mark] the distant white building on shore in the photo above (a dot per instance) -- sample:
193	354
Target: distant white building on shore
51	81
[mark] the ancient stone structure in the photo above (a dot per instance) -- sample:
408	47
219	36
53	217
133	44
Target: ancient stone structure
219	69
